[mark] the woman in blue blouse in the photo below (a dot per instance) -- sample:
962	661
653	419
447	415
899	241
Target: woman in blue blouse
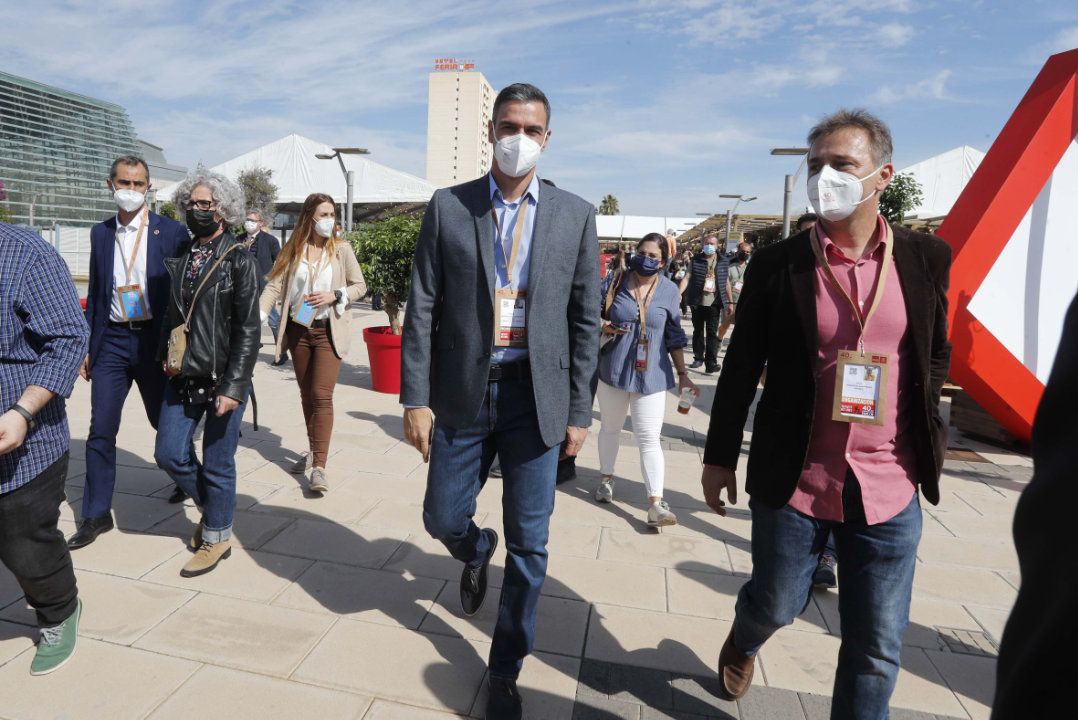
635	369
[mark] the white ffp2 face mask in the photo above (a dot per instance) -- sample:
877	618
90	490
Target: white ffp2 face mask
250	226
835	195
517	154
324	227
128	200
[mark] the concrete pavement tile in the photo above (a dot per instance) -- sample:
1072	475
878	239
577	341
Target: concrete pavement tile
366	546
736	526
972	678
423	556
659	640
397	461
647	713
651	548
249	529
971	553
238	634
1014	579
768	703
600	708
815	707
128	554
386	710
710	595
96	684
9	587
604	581
977	527
345	504
921	687
247	575
135	512
15	638
701	696
402	516
547	686
560	625
356	448
583	510
959	585
931	526
141	480
740	557
376	596
800	661
626	683
225	693
115	609
403	665
992	620
926	617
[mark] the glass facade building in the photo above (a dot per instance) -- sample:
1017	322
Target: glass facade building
56	148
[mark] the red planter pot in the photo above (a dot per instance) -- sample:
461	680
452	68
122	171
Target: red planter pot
384	351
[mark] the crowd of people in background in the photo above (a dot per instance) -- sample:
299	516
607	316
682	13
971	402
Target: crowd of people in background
511	336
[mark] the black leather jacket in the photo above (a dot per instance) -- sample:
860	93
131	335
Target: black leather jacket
223	338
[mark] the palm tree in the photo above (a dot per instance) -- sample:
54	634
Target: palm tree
609	205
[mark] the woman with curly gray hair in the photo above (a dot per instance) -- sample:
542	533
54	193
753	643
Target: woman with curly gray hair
209	351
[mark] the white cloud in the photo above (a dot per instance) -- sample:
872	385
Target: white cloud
895	34
933	87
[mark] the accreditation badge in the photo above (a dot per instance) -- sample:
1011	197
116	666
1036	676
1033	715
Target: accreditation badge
860	387
641	363
510	318
738	285
709	283
132	303
304	314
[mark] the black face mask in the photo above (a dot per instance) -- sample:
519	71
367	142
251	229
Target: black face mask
741	257
202	223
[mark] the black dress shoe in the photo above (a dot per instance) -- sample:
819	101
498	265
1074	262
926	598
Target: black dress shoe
88	531
503	700
473	581
710	369
177	496
695	364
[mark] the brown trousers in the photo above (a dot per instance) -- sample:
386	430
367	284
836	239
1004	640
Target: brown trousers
317	367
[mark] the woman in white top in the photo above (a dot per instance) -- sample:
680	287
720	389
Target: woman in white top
315	278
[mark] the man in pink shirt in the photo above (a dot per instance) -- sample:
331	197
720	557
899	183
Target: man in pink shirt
850	318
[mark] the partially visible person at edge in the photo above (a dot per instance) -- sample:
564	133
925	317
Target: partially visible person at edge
501	344
215	285
43	340
826	575
734	280
265	248
642	324
313	283
670	240
861	301
1033	678
704	290
125	306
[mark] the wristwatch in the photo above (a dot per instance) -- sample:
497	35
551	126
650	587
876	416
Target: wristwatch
26	415
338	294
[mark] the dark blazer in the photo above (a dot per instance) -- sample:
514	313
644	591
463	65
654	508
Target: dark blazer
266	247
449	328
1032	681
776	324
164	238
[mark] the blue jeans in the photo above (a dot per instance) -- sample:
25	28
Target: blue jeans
460	459
875	581
211	483
274	321
125	356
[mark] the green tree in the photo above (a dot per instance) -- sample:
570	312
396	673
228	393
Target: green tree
168	210
901	196
259	191
608	205
385	250
6	215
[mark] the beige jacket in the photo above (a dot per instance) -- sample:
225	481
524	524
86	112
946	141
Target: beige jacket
346	274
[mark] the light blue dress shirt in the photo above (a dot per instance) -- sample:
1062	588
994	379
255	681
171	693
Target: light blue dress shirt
507	216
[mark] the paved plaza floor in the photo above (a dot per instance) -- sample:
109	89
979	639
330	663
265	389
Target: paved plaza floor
342	607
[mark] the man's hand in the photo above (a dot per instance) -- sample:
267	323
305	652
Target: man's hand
84	371
419	429
12	431
225	405
715	479
574	441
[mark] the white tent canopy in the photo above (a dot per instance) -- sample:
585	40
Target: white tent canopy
634	227
297	173
942	179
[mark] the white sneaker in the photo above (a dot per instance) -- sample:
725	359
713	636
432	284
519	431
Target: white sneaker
659	515
605	492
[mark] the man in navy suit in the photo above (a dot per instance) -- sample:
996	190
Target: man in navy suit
125	305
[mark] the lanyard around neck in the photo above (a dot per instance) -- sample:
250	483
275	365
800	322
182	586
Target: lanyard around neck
129	263
861	317
643	304
518	233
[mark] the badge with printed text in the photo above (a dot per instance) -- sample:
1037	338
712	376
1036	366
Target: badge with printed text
738	285
709	284
860	387
510	318
641	363
132	303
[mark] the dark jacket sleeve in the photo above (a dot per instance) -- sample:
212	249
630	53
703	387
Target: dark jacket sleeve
245	328
91	290
424	299
722	274
940	361
744	362
584	323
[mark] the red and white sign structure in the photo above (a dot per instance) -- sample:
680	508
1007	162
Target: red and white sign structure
1014	234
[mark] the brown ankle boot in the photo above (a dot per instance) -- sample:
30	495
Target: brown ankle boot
206	558
735	670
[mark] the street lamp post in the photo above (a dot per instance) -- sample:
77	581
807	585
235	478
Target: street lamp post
730	212
788	188
349	177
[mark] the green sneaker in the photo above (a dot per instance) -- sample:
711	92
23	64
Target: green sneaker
57	644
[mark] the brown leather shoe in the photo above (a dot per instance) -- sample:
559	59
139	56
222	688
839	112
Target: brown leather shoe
735	670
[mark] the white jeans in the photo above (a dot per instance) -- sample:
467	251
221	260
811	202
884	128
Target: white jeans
647	412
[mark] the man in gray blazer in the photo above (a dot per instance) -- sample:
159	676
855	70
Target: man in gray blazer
500	343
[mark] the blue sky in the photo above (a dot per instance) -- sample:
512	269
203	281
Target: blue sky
663	103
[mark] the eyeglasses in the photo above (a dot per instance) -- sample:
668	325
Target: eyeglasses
201	205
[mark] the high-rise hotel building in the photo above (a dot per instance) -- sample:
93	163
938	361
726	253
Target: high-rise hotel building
459	105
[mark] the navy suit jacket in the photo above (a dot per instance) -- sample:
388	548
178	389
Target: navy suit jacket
164	238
